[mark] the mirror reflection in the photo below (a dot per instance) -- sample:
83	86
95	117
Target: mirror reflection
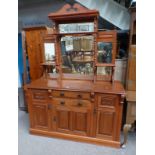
49	50
77	54
49	63
104	52
104	70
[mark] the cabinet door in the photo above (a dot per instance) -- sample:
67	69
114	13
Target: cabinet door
106	124
62	119
40	116
81	121
34	48
73	118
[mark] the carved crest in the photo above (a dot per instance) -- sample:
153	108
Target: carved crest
71	10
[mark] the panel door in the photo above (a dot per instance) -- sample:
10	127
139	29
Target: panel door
40	116
73	118
63	119
81	121
34	47
106	124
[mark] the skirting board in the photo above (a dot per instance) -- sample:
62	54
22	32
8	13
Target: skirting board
75	138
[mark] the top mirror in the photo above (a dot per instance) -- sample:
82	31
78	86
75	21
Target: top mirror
76	27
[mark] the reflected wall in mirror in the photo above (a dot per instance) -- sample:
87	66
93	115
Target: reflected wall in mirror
77	54
104	52
76	27
49	49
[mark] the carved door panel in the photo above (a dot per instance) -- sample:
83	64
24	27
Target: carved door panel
81	121
106	124
107	114
63	119
40	116
73	119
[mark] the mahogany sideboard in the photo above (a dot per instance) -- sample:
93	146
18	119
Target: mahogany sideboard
80	100
76	110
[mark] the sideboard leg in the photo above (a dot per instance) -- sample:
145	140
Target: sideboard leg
126	129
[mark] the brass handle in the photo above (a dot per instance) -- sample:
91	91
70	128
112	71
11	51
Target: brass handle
79	96
79	104
62	102
61	93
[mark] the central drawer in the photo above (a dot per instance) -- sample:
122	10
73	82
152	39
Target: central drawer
71	94
71	102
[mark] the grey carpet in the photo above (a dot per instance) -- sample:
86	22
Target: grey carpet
37	145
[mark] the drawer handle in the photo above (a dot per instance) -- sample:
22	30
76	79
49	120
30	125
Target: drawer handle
61	93
79	104
62	102
79	96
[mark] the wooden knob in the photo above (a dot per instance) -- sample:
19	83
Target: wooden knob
92	95
79	96
79	104
61	93
49	90
62	102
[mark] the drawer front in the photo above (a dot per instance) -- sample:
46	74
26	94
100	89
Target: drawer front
70	94
107	100
40	95
73	103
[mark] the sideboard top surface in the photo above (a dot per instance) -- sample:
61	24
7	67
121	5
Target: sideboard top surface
78	85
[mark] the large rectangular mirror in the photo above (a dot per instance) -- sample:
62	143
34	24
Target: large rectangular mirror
77	54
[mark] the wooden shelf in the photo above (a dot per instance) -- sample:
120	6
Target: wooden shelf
105	65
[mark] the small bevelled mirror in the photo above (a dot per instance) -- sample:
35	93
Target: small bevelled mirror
76	27
104	70
49	49
104	73
104	54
